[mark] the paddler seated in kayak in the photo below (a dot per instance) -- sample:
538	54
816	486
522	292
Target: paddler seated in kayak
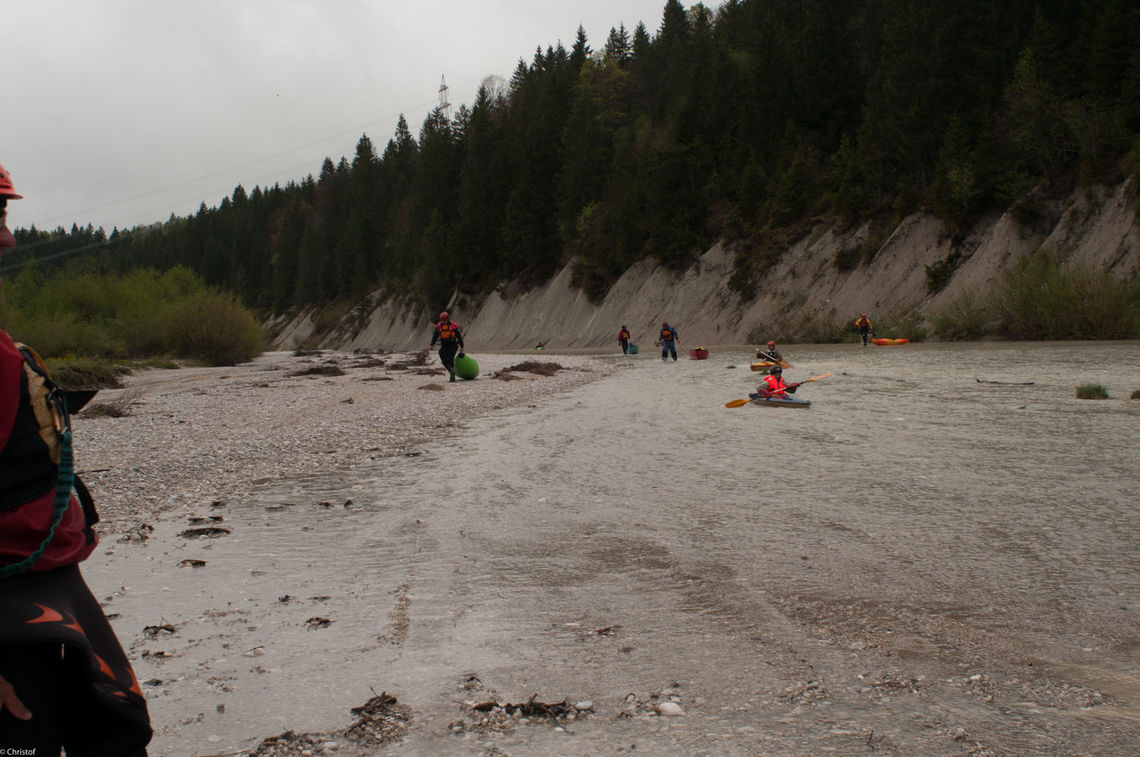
773	384
769	354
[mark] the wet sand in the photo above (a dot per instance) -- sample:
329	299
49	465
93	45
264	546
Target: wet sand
919	564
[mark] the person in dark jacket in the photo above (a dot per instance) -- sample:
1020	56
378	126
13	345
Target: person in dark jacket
65	682
770	353
623	340
450	341
668	339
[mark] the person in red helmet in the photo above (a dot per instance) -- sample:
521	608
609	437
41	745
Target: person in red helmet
65	682
450	342
770	353
7	192
863	323
668	340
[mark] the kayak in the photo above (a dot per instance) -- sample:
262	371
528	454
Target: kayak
763	365
632	350
785	400
698	353
466	367
888	342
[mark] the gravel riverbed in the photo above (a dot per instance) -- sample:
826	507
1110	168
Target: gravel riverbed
189	436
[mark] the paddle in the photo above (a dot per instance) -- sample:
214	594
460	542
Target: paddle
765	353
742	403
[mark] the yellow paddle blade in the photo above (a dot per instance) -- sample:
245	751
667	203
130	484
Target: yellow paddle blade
816	378
736	403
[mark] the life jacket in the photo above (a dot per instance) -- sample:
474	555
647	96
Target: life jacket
623	334
46	513
447	330
775	385
666	335
863	323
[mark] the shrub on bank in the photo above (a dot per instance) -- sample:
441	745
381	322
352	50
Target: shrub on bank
1091	392
1044	298
142	314
1135	395
213	328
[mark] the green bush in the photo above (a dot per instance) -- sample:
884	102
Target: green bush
1091	392
213	328
939	274
141	314
85	373
1135	394
1044	298
965	317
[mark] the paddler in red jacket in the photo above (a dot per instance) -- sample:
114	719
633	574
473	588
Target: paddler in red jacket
64	680
773	384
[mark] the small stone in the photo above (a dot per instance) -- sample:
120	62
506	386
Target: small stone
670	709
585	704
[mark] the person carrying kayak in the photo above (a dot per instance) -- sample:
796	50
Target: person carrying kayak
863	323
65	682
623	340
774	385
668	339
450	342
769	354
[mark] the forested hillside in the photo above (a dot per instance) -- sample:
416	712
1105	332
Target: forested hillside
736	123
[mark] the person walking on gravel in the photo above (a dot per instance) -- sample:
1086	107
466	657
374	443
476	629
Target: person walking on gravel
450	342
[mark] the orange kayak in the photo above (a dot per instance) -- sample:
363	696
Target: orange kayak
888	342
764	365
698	353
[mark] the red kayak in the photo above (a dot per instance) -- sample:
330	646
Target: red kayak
888	342
698	353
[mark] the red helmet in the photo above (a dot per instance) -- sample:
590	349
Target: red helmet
6	189
663	325
443	316
771	344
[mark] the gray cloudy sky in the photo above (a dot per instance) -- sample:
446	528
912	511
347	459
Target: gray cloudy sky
121	112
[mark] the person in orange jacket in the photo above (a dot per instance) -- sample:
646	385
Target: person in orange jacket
774	385
446	332
863	323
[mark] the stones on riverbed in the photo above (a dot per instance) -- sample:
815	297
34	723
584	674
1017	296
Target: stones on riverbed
379	721
162	628
205	532
197	519
192	563
139	533
319	370
318	622
664	703
806	693
495	716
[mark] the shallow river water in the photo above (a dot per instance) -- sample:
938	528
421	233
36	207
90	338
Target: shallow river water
919	564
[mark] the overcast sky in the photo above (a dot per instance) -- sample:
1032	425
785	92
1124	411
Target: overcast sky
121	112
